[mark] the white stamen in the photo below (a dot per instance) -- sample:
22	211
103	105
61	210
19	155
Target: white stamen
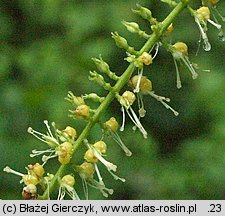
140	73
108	165
37	153
98	174
62	193
117	177
218	26
156	50
30	130
42	137
71	192
178	75
34	133
206	44
190	67
45	158
55	131
136	121
85	187
93	183
221	36
118	140
219	14
48	127
199	44
9	170
207	70
141	110
160	99
123	119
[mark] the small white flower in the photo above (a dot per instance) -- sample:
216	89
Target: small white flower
179	52
126	100
110	128
146	88
66	187
202	16
46	138
162	100
110	166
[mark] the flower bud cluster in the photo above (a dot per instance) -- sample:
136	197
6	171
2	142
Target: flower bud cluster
34	177
63	148
81	109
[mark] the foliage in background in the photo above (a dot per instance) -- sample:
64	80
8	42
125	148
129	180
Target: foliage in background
45	50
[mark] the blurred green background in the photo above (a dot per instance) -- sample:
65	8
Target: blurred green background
45	50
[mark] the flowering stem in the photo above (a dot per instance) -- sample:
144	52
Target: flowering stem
118	86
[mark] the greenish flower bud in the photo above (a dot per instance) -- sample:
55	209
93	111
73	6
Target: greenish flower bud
64	159
143	12
131	26
64	152
120	41
171	3
74	99
101	65
94	97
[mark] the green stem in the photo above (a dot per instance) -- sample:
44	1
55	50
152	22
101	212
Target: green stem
119	85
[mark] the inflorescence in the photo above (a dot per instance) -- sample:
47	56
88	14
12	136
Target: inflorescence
62	144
